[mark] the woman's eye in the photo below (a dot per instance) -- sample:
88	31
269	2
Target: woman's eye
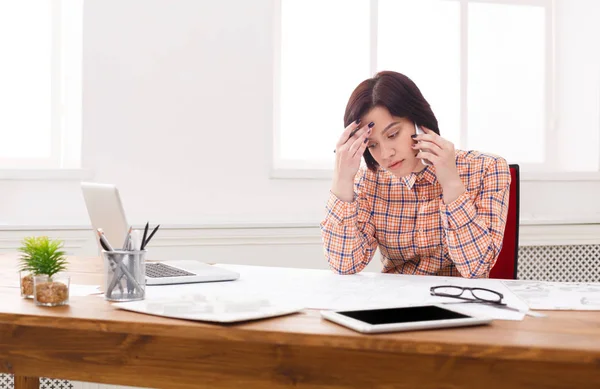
372	145
393	135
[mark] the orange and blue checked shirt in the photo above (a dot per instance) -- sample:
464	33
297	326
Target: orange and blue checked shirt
417	233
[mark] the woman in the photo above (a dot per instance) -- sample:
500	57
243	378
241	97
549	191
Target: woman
446	218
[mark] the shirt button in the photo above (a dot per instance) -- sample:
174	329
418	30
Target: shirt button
423	198
421	231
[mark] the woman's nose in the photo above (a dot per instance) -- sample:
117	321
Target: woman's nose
387	152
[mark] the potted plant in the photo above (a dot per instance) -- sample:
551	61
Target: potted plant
42	261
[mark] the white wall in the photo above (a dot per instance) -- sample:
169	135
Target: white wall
578	82
177	112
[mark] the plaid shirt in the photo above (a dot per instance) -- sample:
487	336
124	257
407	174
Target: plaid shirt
415	231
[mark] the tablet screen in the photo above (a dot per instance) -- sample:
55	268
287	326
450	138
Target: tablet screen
403	315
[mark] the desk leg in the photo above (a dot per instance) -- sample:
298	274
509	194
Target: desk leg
26	382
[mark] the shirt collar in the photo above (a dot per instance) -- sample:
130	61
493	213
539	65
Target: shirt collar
427	174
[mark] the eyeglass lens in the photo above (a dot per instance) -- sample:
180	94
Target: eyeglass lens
486	295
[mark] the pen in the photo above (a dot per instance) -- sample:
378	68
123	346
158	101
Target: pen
116	276
135	240
103	245
103	240
131	242
144	237
355	130
145	243
127	238
130	260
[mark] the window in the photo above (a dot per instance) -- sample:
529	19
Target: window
40	74
484	66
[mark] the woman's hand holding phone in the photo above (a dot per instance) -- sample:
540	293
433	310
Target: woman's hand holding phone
348	152
440	152
419	131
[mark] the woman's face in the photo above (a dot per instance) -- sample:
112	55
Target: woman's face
390	142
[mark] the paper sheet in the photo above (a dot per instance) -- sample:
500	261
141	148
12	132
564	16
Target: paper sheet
214	309
579	296
83	290
322	289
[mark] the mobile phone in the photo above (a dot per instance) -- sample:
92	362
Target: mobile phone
419	131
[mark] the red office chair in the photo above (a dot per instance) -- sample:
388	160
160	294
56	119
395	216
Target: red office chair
506	264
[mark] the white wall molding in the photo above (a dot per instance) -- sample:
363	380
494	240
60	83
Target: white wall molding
556	235
290	245
71	243
79	240
75	240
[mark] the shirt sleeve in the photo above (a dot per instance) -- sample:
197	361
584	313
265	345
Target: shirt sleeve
474	223
348	232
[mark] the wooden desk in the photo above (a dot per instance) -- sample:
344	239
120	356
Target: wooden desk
91	341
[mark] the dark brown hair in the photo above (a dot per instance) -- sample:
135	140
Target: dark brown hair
396	92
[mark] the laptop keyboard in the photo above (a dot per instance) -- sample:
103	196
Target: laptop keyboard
160	270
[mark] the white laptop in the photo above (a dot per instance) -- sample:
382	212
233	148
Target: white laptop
106	211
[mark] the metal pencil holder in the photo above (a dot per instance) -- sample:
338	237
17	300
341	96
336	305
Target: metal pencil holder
125	275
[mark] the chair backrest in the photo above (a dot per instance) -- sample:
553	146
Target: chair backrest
506	264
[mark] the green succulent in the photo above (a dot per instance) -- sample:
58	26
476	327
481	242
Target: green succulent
41	255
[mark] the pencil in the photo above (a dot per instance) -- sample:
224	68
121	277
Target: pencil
144	236
145	243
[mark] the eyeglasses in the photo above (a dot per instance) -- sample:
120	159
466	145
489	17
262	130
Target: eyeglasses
479	294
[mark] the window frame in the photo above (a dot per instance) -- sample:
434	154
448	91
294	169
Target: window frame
309	169
62	158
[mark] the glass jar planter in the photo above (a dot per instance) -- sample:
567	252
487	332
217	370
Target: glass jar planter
26	284
51	291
